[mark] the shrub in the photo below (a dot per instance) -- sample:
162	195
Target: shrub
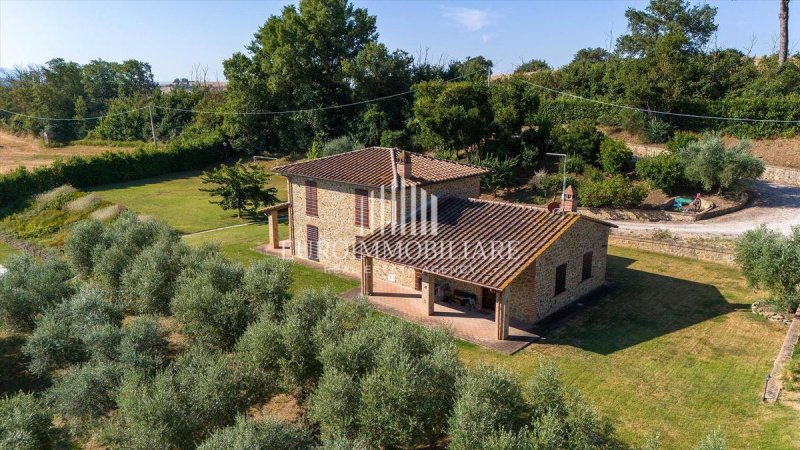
712	166
303	312
110	212
266	284
58	195
66	332
80	244
657	131
578	139
575	164
546	392
551	184
24	423
88	202
338	145
334	405
395	139
771	261
148	284
85	393
663	171
260	351
681	139
29	287
502	175
208	315
143	345
101	342
713	441
488	401
269	433
615	191
197	394
614	156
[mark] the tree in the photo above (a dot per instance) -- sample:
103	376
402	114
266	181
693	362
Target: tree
712	166
241	187
662	18
29	288
663	171
451	116
269	433
783	45
294	64
771	261
25	423
614	156
532	65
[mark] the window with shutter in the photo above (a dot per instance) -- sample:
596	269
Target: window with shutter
311	199
561	279
362	208
312	237
586	271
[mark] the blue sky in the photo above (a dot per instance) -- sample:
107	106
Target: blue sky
175	36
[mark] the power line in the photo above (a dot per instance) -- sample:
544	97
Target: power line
13	113
665	113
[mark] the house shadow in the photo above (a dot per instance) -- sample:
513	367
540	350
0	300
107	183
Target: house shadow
639	307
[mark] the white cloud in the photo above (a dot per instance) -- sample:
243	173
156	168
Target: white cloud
470	18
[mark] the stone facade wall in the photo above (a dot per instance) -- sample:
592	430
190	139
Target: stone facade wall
335	221
393	273
533	304
462	188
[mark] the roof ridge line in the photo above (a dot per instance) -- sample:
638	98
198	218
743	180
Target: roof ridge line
323	157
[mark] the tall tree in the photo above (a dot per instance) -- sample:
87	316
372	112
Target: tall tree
783	46
665	17
295	62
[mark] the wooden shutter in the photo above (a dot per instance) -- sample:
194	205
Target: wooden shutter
362	208
311	199
586	271
312	237
561	279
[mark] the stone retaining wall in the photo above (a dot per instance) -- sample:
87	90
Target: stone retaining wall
669	247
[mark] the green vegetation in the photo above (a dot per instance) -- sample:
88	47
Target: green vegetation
6	251
667	354
713	167
178	200
771	260
242	187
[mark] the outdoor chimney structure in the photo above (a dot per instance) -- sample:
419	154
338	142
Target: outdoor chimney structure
403	164
570	200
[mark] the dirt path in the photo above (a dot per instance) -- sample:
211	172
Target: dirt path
776	206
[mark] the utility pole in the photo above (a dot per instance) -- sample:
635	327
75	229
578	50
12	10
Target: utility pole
783	32
152	127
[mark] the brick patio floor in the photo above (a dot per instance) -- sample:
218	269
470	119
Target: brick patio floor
475	326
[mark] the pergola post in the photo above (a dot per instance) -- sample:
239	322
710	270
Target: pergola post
366	276
429	291
274	240
501	316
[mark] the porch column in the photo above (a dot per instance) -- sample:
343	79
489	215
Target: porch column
366	276
428	291
274	241
501	316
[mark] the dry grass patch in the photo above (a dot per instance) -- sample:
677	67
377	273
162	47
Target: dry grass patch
18	151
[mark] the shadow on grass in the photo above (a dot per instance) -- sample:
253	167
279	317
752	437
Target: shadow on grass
14	375
641	307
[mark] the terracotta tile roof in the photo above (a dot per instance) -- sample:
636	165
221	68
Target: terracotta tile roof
462	224
372	167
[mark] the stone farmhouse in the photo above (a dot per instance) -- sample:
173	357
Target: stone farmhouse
415	222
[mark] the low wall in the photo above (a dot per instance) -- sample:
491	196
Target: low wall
656	215
773	174
676	248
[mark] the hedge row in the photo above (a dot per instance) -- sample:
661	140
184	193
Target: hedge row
112	167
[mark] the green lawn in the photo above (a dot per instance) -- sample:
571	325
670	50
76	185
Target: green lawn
674	350
6	251
177	199
238	243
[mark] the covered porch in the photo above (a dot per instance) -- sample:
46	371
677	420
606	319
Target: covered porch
489	327
276	246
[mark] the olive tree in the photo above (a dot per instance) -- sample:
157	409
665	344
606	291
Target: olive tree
25	423
268	433
29	287
771	261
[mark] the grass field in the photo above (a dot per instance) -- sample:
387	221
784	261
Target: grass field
673	350
19	151
177	199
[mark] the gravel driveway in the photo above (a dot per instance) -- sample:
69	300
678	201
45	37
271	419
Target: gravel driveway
774	205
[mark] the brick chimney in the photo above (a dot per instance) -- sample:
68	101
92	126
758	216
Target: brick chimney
570	200
404	164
